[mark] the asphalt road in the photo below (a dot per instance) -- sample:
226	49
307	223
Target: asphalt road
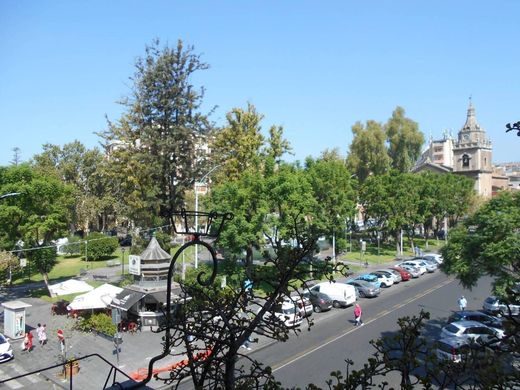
312	355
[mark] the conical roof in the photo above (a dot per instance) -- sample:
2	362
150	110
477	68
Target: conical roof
471	120
154	252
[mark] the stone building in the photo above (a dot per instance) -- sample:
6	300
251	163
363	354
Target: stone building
470	155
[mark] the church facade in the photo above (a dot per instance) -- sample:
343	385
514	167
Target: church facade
470	155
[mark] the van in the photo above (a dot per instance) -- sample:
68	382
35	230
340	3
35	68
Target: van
342	294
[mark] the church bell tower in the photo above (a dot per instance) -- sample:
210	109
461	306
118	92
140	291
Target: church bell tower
472	153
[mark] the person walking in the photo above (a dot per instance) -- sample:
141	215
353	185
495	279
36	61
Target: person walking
43	335
39	333
357	315
462	303
29	342
61	340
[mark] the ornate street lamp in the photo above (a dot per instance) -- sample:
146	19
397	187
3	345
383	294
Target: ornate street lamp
9	194
214	224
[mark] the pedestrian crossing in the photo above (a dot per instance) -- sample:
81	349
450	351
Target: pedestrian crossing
30	382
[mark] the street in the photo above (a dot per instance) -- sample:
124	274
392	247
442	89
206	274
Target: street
311	356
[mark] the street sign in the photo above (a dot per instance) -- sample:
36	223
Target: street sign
134	265
23	262
363	246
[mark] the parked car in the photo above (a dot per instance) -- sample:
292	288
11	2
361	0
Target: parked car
288	313
409	263
458	350
304	304
405	275
320	301
493	306
415	272
384	280
6	351
472	315
434	256
342	294
470	330
365	289
396	276
429	265
369	278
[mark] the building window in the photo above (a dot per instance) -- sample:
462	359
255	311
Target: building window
465	160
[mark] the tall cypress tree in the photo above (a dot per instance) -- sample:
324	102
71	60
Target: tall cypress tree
158	135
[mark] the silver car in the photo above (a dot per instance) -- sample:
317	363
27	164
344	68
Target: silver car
414	271
470	330
493	306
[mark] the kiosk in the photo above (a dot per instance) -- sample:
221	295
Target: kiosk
14	319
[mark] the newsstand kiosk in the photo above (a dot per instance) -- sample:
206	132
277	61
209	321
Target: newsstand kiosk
14	319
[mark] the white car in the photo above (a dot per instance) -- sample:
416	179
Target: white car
304	304
384	280
470	330
6	351
288	313
422	268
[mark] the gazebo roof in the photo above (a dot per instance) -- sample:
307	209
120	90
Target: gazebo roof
154	252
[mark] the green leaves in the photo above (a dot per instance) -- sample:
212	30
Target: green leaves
488	243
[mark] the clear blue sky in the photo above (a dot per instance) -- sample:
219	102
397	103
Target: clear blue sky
313	67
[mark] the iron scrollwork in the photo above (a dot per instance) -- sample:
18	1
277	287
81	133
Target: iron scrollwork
212	228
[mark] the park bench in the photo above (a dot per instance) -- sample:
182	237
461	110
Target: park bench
100	277
113	263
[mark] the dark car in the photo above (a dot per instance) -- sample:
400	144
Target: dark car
320	301
365	289
126	240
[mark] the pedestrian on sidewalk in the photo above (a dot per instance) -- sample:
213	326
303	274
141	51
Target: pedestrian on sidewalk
61	340
39	333
43	335
462	303
357	315
28	341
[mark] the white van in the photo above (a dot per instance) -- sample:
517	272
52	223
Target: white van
341	294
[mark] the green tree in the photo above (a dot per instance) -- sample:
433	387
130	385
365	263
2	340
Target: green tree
95	206
43	259
367	152
392	200
245	197
8	262
238	146
38	215
405	140
487	243
333	189
156	142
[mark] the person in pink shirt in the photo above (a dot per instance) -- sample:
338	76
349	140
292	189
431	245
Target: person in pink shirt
357	315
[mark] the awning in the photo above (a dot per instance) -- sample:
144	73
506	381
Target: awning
126	299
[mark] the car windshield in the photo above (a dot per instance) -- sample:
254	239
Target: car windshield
290	310
2	339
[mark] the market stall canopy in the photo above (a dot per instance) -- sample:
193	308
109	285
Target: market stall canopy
99	298
126	299
71	286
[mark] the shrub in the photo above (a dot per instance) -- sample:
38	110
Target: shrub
73	247
99	246
99	322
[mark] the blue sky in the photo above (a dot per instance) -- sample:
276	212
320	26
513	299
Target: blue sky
313	67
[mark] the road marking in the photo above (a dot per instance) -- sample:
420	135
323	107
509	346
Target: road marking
348	331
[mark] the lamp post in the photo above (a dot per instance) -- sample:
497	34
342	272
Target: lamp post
123	261
197	184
